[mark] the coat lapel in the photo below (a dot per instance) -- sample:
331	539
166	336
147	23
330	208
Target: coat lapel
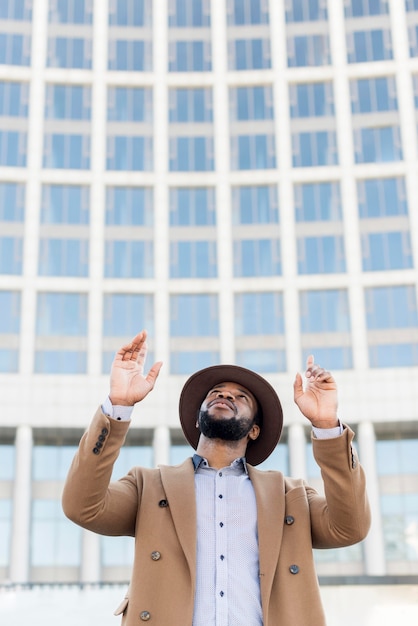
178	483
270	497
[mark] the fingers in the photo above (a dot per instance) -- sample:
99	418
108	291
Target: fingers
297	387
153	373
315	372
136	349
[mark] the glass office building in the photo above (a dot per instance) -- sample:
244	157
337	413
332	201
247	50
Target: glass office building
240	178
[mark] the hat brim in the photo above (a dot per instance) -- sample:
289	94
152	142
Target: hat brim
199	384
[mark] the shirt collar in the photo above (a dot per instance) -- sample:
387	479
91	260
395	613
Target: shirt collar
199	460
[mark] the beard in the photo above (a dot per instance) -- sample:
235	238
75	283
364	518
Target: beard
232	429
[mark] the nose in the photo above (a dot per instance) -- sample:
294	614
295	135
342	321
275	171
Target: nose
225	394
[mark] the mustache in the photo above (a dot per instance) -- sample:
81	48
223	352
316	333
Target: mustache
228	403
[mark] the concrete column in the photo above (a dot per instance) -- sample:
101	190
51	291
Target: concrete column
374	544
161	446
297	450
19	565
90	558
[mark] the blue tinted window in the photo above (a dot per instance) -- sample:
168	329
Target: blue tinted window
315	148
253	152
316	202
369	95
130	13
63	257
14	49
16	10
267	360
363	8
311	100
61	314
194	315
129	206
68	102
51	462
10	312
393	355
124	313
306	10
14	99
129	104
257	257
391	307
193	259
13	148
12	202
187	361
129	153
67	151
321	255
65	204
191	154
332	358
69	52
191	105
324	311
255	205
397	457
308	50
11	250
370	45
71	11
252	103
249	54
190	56
129	55
399	515
5	523
378	145
381	197
247	12
411	5
184	13
192	206
259	314
9	363
386	251
129	259
53	541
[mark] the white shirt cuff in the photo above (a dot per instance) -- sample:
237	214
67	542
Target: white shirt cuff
327	433
117	412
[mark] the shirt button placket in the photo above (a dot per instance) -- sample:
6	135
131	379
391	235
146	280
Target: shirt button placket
221	550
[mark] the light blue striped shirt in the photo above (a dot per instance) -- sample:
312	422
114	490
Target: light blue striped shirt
227	568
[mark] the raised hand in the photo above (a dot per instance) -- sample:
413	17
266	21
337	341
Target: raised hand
128	384
318	401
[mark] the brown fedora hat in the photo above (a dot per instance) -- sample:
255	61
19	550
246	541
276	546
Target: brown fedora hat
199	384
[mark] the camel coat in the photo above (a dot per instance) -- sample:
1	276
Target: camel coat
157	507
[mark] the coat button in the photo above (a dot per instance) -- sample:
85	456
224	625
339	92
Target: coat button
163	503
294	569
156	556
104	431
289	520
145	616
96	451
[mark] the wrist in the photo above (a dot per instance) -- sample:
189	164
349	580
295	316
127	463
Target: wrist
326	423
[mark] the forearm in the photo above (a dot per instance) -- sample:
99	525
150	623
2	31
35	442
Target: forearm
87	499
343	516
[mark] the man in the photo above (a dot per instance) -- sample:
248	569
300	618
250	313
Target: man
218	542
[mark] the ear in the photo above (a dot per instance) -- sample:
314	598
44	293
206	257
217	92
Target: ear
254	432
